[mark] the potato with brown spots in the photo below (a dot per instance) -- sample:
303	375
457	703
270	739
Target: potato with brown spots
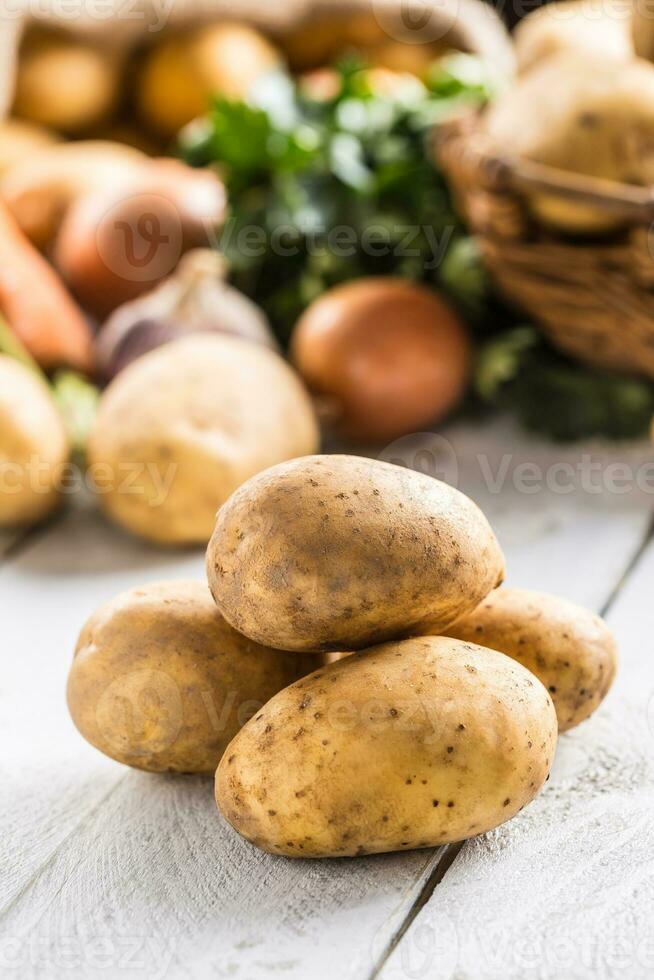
409	744
339	552
161	682
570	649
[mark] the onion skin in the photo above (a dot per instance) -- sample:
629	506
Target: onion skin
387	355
116	244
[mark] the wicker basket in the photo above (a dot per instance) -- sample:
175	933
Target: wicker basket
595	298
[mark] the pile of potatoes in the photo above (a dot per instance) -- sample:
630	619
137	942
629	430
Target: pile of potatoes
333	671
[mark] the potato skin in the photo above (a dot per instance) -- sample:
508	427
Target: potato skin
569	648
339	552
161	682
407	745
183	426
34	447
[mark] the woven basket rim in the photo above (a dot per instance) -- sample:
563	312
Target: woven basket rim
505	173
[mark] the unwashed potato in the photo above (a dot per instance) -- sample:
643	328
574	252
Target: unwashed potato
410	744
588	116
182	427
161	682
34	447
339	552
586	27
182	73
64	83
570	649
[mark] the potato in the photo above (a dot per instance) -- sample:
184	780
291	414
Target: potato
161	682
319	41
182	427
182	73
568	648
34	447
584	115
338	552
579	26
410	744
66	84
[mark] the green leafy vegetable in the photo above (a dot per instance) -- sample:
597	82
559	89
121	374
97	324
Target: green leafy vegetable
553	396
325	190
78	402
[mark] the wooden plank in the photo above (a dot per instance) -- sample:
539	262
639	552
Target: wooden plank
567	888
48	589
146	862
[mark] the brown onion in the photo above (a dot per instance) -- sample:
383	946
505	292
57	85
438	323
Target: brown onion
386	357
118	243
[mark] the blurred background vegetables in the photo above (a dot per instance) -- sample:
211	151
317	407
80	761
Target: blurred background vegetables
327	189
315	218
195	299
116	243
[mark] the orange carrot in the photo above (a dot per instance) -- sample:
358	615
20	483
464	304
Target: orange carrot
37	305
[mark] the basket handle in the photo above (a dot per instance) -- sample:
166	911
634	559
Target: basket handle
523	176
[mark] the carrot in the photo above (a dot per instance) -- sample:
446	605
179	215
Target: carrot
37	305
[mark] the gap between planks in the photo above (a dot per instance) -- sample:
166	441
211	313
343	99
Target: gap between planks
444	858
633	563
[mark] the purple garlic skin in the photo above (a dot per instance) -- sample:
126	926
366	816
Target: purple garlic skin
195	299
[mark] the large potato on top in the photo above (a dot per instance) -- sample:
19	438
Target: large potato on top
337	553
570	649
161	682
410	744
34	446
182	427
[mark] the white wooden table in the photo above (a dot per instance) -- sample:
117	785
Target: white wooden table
112	873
